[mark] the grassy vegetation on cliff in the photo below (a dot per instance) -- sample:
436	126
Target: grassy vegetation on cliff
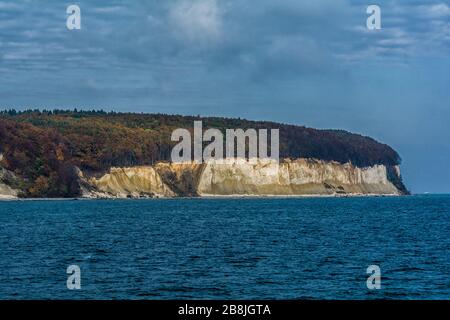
43	147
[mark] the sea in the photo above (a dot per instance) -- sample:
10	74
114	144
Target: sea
227	248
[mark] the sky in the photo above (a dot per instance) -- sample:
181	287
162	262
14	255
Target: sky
312	63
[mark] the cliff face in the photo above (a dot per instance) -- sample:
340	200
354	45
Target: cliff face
6	192
299	177
136	182
7	182
242	178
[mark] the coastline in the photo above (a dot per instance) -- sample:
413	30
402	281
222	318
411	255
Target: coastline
209	197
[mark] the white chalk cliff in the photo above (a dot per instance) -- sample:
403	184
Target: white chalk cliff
135	182
238	177
6	179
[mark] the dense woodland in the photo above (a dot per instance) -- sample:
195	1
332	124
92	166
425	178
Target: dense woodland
45	147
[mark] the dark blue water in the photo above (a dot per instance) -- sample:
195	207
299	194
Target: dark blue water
226	248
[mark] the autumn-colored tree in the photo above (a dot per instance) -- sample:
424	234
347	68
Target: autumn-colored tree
40	187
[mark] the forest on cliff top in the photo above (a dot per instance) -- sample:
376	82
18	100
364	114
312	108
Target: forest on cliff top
43	148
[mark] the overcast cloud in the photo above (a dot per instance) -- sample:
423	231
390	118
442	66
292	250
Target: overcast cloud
304	62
